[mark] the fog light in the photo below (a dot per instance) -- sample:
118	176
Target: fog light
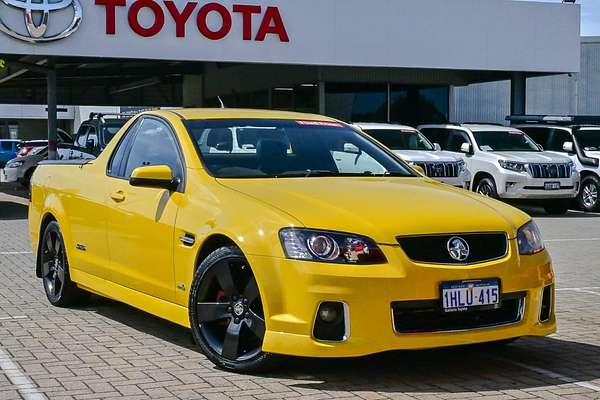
331	322
328	313
510	185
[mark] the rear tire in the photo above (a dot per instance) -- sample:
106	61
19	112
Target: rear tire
487	187
60	290
588	198
226	313
557	207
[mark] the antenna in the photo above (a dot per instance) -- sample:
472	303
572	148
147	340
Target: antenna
221	102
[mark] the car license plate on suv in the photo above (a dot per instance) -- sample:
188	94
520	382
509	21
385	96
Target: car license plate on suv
552	186
468	295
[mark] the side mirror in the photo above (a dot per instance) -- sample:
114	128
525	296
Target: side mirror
437	147
568	147
466	148
418	168
154	176
350	148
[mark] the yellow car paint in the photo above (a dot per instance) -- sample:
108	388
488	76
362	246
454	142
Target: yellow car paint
133	251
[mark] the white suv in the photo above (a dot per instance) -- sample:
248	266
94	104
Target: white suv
508	164
571	137
415	148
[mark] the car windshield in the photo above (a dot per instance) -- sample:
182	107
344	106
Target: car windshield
260	148
589	139
508	140
401	139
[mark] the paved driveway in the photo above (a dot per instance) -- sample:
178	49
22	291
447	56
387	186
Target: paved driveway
109	350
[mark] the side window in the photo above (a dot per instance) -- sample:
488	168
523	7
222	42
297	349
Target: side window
115	166
558	139
437	135
154	144
456	140
81	136
539	135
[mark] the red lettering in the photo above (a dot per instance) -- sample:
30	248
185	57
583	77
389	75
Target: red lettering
110	7
182	17
246	11
225	17
272	24
159	18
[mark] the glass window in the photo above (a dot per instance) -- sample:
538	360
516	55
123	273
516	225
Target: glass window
589	139
400	139
558	139
437	135
356	102
6	146
115	167
93	136
456	138
154	144
288	149
508	140
415	105
539	135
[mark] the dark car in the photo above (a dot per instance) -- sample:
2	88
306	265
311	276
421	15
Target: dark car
95	133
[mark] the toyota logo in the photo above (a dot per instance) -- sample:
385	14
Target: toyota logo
37	17
458	248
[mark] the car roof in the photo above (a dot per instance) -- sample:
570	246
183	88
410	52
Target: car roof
10	140
381	126
237	113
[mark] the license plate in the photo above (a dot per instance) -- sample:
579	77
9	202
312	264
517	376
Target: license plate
552	186
468	295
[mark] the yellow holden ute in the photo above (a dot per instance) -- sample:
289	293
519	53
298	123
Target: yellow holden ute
273	233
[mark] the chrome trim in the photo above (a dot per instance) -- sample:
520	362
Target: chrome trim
187	240
520	316
346	322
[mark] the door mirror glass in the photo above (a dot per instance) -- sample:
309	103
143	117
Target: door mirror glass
465	148
437	147
154	176
568	147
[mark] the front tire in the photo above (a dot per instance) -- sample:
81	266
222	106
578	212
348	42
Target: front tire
226	313
60	290
589	194
557	207
487	187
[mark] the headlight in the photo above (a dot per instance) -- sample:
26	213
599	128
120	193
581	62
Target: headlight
461	167
332	247
14	164
513	165
530	239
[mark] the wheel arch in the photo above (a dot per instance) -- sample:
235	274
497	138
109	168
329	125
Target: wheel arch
479	176
46	220
212	243
586	173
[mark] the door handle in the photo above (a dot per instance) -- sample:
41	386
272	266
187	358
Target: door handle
118	196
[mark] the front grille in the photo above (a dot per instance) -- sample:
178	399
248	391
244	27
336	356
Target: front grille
440	169
434	249
428	316
550	170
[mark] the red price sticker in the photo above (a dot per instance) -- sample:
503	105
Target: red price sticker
320	123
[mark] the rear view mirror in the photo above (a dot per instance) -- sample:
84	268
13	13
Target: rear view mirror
466	148
568	147
437	147
155	176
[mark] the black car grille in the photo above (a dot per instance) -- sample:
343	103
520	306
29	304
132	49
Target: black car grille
440	169
428	316
550	170
434	249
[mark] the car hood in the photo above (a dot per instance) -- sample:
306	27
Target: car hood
530	156
382	208
425	156
595	154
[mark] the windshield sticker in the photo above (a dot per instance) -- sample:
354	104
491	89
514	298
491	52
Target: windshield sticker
516	133
486	148
320	123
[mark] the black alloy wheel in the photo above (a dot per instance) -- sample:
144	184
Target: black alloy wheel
589	194
487	187
226	313
61	292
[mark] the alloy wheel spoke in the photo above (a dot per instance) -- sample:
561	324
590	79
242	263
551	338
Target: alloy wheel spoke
60	273
225	278
208	312
256	324
231	342
49	244
251	290
57	246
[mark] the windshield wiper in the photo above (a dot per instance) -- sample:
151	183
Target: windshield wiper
307	173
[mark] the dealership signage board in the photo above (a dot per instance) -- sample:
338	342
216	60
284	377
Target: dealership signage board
458	34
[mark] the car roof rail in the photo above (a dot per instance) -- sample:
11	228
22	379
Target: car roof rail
94	115
555	119
483	123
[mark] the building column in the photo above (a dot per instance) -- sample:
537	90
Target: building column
518	93
52	112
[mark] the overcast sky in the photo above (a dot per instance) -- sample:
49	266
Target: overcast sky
590	16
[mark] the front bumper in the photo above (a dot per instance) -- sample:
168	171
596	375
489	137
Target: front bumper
292	291
522	186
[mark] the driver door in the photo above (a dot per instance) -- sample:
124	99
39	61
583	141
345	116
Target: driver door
140	220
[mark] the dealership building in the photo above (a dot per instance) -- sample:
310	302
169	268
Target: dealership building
381	60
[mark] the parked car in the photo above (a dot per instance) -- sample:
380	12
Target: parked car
8	150
283	249
95	133
25	147
412	146
21	169
576	137
508	164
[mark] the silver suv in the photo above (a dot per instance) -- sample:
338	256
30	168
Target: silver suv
508	164
413	147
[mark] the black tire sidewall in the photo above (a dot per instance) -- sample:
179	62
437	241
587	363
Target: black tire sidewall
491	183
261	361
584	182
